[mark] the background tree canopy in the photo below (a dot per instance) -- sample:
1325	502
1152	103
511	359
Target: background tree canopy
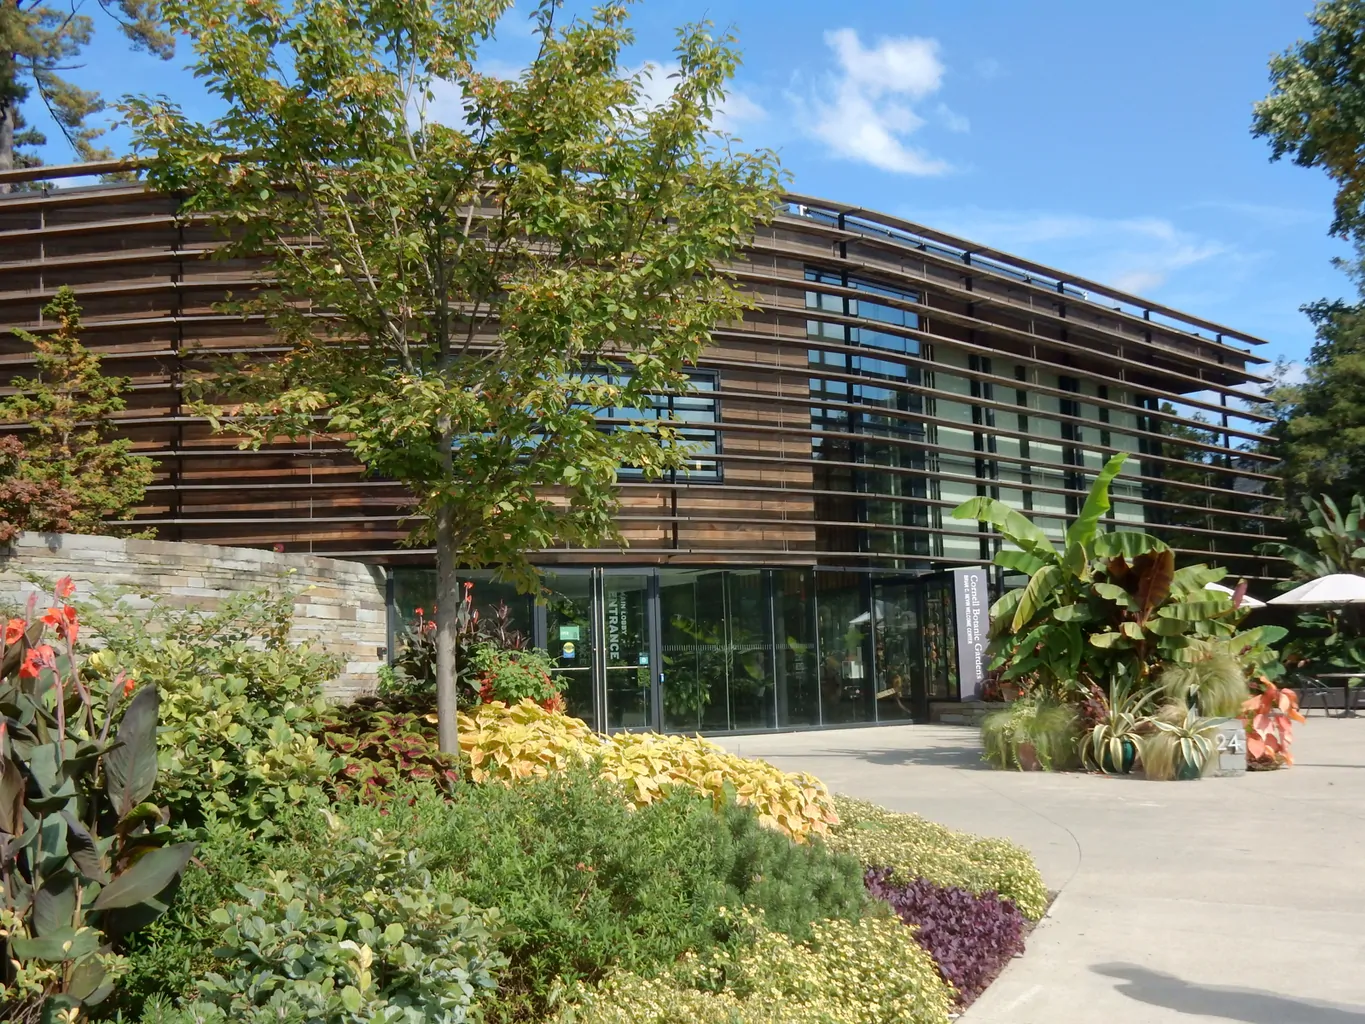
38	42
1315	114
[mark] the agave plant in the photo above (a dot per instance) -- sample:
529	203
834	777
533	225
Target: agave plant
1106	747
1182	745
84	857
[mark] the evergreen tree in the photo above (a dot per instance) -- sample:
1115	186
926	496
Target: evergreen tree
38	42
65	472
1319	433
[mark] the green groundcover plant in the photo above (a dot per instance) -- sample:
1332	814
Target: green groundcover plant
915	848
586	885
538	899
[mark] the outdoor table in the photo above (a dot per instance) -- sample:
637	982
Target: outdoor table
1351	684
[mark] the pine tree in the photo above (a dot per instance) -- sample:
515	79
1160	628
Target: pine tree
38	43
65	472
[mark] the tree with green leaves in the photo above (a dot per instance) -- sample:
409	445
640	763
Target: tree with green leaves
39	40
66	472
462	285
1315	113
1319	429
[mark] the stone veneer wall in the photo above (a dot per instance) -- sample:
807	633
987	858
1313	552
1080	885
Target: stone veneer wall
340	606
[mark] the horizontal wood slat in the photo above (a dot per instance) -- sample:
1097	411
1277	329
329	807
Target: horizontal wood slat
790	490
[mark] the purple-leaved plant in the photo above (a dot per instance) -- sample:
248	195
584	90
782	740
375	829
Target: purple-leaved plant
970	937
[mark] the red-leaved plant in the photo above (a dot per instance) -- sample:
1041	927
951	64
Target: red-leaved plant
1270	716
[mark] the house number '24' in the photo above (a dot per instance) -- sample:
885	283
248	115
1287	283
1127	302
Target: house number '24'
1231	743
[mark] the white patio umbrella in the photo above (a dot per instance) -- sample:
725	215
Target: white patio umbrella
1247	600
1338	588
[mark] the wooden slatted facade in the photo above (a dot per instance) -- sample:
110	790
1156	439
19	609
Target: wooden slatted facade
889	372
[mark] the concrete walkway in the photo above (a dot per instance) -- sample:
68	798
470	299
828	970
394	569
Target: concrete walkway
1239	899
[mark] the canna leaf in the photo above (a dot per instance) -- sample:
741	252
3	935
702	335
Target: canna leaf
147	877
130	768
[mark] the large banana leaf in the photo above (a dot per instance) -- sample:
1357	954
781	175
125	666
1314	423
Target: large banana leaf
1127	544
1191	579
1018	561
1082	531
1036	594
1155	571
1013	526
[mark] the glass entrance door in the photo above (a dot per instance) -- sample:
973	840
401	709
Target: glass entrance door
629	646
571	639
900	691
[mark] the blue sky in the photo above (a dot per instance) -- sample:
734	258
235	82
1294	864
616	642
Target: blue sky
1109	140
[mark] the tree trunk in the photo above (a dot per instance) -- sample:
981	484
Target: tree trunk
6	135
447	614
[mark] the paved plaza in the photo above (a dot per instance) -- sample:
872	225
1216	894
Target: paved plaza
1237	899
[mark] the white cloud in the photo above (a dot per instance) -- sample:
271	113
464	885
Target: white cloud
1132	254
737	108
863	111
952	120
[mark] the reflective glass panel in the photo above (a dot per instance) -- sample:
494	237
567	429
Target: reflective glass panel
625	644
900	687
846	684
569	639
797	681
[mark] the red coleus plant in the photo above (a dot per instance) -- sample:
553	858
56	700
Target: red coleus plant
1270	716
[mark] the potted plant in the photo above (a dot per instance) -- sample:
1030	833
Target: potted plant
1182	746
1269	719
1030	735
1111	746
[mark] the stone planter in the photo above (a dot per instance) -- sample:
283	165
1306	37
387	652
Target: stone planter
1231	747
1027	756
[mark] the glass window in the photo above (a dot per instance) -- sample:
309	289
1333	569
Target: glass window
492	600
626	643
717	647
570	639
898	646
797	679
845	629
693	413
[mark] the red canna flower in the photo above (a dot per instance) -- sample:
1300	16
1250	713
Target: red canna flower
64	619
37	659
418	612
64	588
129	685
14	631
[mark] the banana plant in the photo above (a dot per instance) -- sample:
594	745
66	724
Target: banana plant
1106	605
85	857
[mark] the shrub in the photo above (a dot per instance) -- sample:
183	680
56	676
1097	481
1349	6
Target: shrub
971	937
512	676
587	884
166	958
241	706
362	936
85	858
915	848
648	764
383	748
865	972
415	663
1049	729
506	743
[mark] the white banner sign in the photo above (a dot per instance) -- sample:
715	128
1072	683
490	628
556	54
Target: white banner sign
971	600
